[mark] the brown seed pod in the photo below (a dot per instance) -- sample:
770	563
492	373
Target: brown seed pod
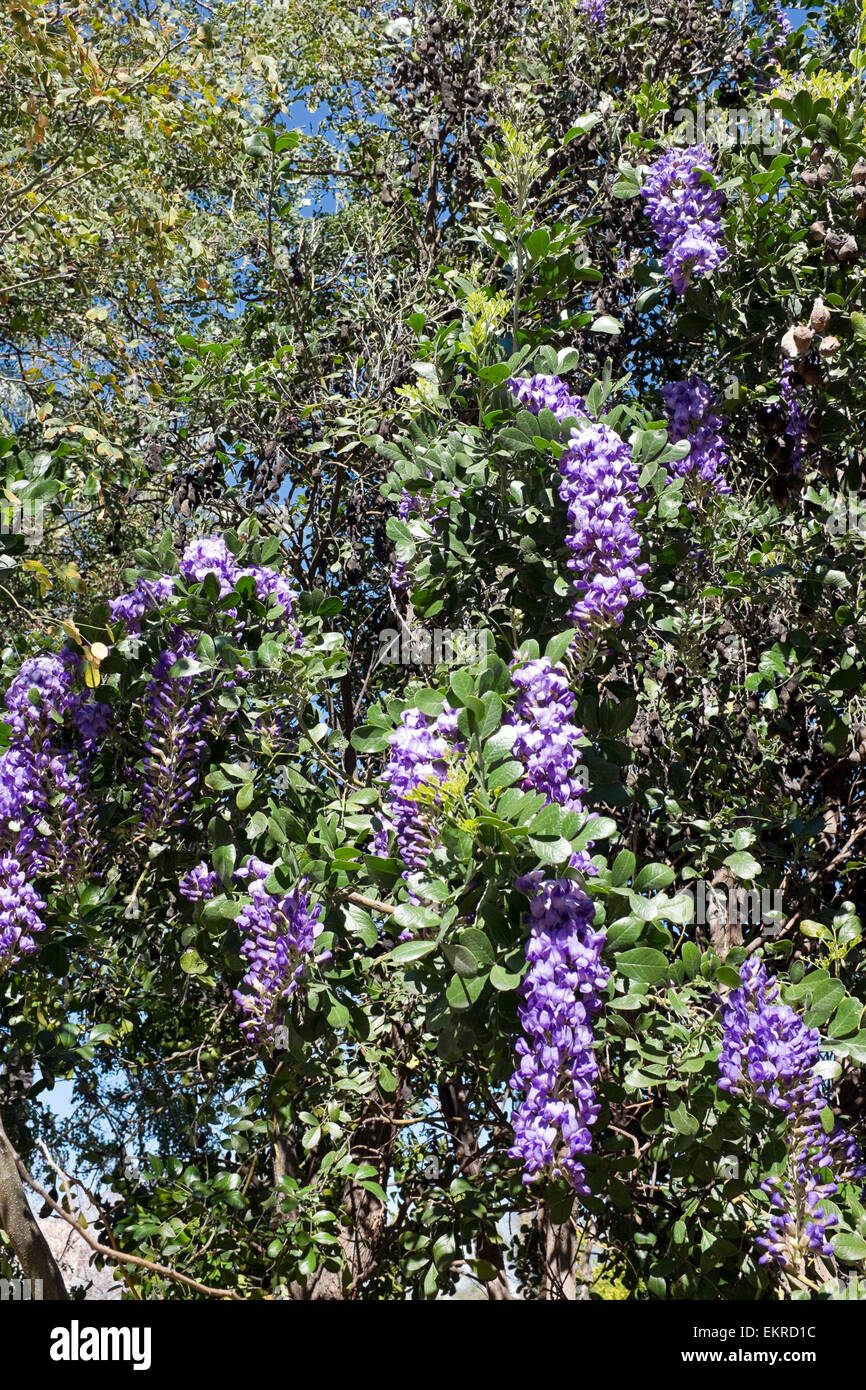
858	173
809	178
824	174
849	251
819	319
812	374
829	346
818	231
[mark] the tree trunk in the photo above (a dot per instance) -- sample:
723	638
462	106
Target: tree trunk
455	1107
29	1244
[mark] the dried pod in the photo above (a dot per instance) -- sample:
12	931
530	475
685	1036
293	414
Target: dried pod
858	173
796	341
818	231
829	346
849	251
824	174
819	319
812	374
809	178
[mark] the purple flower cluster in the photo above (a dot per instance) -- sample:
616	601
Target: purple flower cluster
557	1069
797	421
210	555
279	938
598	473
44	773
547	737
409	503
691	412
174	723
419	757
20	908
148	595
538	393
199	883
768	1051
685	212
596	12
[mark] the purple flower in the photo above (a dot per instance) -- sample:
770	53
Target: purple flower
539	393
148	595
279	936
44	774
685	212
199	883
768	1051
547	738
419	757
20	908
797	421
557	1069
598	473
596	12
690	407
174	723
209	555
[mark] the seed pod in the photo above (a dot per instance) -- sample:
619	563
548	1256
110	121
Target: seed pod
796	341
829	346
818	231
849	251
819	319
858	173
824	174
812	374
809	178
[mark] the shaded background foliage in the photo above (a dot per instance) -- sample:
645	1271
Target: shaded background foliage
218	314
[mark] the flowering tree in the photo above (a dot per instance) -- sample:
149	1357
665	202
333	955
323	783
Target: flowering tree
373	965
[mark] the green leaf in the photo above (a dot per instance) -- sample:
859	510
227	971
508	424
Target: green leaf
743	864
502	980
654	876
606	323
850	1247
409	951
622	868
559	645
191	963
643	964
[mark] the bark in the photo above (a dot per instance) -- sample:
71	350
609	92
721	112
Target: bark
361	1233
17	1220
455	1107
558	1253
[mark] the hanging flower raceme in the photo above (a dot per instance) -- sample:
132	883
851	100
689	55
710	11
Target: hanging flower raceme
598	474
685	211
419	762
547	738
175	719
691	412
147	596
768	1051
56	729
199	883
20	912
797	421
538	393
279	937
557	1069
596	12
